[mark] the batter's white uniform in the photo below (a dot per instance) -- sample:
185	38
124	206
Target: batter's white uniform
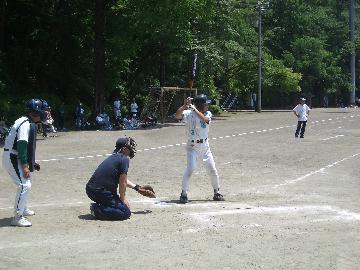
18	132
198	148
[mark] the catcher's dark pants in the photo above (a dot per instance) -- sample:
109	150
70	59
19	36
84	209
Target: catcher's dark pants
108	206
300	129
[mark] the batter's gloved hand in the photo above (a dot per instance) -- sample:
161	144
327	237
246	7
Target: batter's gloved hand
146	191
37	166
192	107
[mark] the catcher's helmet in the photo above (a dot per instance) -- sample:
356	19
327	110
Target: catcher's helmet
126	142
201	100
36	105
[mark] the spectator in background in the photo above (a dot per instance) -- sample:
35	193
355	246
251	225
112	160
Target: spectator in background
103	120
150	120
80	116
117	112
130	122
61	117
254	101
134	108
326	101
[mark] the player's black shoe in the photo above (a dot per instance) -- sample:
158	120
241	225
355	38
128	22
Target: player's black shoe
218	197
183	198
92	211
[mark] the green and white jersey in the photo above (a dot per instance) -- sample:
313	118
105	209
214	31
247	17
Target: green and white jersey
18	132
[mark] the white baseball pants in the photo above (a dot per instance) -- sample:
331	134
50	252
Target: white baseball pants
14	168
195	153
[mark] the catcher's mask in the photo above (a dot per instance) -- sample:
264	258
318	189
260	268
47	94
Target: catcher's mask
129	143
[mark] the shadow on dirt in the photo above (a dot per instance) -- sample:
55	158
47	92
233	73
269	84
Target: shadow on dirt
90	217
5	222
86	217
190	201
142	212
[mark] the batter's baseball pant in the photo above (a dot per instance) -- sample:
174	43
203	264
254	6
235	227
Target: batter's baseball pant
108	205
14	168
195	153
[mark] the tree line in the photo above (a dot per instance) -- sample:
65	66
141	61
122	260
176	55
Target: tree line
93	51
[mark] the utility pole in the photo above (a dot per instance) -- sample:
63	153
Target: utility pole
99	55
259	59
352	57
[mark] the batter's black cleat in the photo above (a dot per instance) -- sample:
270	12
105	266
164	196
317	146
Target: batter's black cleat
183	198
218	197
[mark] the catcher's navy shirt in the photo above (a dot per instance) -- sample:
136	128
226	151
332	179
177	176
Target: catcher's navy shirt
108	173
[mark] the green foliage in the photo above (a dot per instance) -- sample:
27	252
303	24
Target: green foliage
48	50
215	109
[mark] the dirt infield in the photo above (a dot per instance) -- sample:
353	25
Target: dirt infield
290	203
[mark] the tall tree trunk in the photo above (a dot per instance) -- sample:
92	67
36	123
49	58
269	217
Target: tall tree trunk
99	55
3	8
162	69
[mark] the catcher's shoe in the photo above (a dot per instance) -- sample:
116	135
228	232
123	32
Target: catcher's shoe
92	210
183	198
20	221
218	197
28	212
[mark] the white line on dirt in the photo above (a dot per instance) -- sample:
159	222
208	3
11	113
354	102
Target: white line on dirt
329	138
321	170
45	205
341	214
172	145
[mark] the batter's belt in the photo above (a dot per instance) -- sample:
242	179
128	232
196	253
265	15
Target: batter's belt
199	141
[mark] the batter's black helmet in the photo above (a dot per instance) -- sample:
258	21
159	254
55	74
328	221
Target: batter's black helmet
201	100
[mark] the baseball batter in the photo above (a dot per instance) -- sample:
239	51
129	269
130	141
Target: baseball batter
19	158
197	118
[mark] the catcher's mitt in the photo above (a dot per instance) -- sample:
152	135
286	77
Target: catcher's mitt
146	191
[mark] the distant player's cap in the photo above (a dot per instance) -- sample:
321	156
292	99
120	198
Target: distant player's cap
303	99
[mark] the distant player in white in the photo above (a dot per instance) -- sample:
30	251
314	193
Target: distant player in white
197	119
301	111
19	158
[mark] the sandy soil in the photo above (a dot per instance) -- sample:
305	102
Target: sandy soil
290	203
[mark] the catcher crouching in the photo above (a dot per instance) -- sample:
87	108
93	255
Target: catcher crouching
110	176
